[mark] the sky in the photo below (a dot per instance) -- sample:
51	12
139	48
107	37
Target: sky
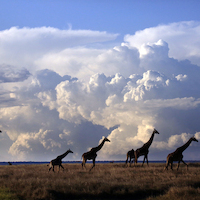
74	72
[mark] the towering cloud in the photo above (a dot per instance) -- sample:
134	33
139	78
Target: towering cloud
182	38
76	95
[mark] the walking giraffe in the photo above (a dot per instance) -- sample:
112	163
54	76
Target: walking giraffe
144	150
177	155
92	154
130	154
58	160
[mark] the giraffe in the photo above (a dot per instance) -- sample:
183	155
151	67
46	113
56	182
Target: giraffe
9	163
130	154
58	160
177	155
92	154
144	150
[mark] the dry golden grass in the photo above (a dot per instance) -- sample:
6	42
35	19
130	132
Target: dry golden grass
106	181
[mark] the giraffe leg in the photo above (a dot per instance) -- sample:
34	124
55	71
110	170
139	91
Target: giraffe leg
167	163
135	160
50	166
166	167
126	159
58	168
61	166
185	164
178	165
83	163
93	164
143	160
171	165
130	161
147	160
53	168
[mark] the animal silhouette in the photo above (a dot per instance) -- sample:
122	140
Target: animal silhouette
92	154
177	155
130	155
144	150
9	163
58	160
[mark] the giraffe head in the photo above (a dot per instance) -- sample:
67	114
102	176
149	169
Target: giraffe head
69	151
194	139
106	139
155	131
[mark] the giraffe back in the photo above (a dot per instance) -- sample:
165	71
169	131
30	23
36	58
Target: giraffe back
175	156
56	162
89	155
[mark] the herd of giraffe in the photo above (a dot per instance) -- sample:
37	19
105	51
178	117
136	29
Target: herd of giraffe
131	155
177	155
90	155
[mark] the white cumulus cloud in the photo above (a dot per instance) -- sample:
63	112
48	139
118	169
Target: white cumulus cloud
78	93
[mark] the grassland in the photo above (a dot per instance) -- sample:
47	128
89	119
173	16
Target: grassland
106	181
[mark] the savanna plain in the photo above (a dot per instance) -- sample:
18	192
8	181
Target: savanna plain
105	181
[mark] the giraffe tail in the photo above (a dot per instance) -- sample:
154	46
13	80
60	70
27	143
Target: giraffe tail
50	164
82	157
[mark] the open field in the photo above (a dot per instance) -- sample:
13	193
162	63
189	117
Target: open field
106	181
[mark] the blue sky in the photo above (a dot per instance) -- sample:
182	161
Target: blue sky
115	16
74	72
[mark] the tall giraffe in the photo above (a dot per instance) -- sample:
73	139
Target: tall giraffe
177	155
92	154
58	160
130	154
144	150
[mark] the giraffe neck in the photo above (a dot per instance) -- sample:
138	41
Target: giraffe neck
98	147
63	155
148	144
185	146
